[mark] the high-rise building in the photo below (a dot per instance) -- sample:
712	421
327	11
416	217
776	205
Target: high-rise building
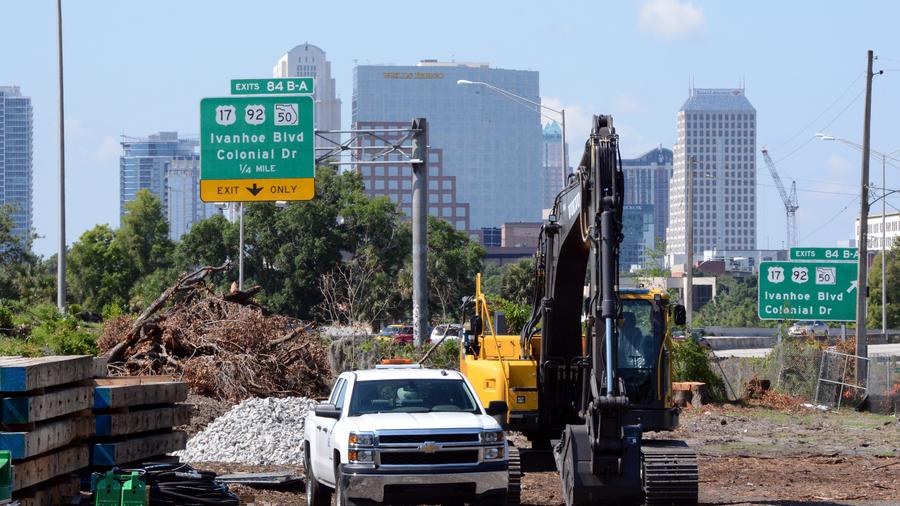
169	167
307	60
638	235
647	183
491	144
551	164
717	129
395	180
16	169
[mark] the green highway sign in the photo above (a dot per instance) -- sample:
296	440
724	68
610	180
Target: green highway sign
796	290
830	254
256	149
272	86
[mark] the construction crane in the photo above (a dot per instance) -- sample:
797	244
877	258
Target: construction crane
789	199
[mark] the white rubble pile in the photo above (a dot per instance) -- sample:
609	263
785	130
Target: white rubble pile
255	432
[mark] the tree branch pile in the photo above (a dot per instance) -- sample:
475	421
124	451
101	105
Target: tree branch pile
222	345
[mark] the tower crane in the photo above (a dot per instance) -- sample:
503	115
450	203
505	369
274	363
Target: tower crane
789	199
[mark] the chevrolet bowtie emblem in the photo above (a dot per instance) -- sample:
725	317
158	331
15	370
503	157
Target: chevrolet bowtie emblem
429	447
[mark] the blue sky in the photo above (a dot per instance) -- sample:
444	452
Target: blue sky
139	67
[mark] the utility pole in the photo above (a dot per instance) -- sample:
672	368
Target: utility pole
689	242
420	230
565	158
863	263
241	247
884	249
61	255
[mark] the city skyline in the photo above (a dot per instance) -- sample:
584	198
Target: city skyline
800	83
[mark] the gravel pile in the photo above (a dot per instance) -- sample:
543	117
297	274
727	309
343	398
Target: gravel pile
256	431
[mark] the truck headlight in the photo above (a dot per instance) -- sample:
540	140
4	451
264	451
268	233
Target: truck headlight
361	439
493	453
494	436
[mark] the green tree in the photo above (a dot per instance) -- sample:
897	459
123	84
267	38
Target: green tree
734	304
209	242
518	282
492	280
100	271
655	264
289	249
144	234
453	262
892	282
19	267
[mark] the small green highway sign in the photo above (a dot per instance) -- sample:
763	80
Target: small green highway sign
273	86
830	254
798	290
256	149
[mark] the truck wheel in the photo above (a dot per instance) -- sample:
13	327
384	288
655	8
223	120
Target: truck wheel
499	500
341	498
316	493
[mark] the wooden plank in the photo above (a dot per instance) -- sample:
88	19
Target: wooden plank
40	469
144	420
26	374
100	369
46	437
118	381
109	454
54	493
20	410
111	394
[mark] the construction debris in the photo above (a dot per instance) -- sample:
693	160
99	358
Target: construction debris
256	431
223	346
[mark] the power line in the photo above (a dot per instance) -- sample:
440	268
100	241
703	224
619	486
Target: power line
811	123
798	148
809	191
830	220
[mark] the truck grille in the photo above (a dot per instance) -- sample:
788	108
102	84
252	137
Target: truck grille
422	438
429	459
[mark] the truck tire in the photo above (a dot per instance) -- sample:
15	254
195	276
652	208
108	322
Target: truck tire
316	493
341	498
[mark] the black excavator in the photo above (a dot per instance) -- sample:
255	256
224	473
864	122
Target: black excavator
604	360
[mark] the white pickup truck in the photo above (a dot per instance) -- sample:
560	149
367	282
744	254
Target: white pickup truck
401	434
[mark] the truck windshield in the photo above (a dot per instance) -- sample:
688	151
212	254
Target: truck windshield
411	396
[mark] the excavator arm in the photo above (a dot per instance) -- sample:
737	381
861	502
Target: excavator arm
582	400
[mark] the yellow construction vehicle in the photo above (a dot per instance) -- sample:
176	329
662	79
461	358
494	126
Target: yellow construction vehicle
591	370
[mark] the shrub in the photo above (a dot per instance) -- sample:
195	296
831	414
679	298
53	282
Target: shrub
691	362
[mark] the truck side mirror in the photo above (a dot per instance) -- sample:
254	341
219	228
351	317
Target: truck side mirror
497	408
326	410
679	315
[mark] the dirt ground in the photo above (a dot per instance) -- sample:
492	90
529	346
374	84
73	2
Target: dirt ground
749	455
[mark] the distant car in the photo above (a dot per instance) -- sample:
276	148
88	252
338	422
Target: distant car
454	331
400	334
681	335
815	329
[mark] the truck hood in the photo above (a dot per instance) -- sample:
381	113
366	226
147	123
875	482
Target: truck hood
417	422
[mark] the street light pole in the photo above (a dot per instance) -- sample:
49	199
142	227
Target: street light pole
561	112
61	255
689	243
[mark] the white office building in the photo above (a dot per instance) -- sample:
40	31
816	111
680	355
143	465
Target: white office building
874	239
716	128
307	60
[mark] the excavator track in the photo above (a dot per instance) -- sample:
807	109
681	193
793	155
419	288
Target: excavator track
670	473
514	490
